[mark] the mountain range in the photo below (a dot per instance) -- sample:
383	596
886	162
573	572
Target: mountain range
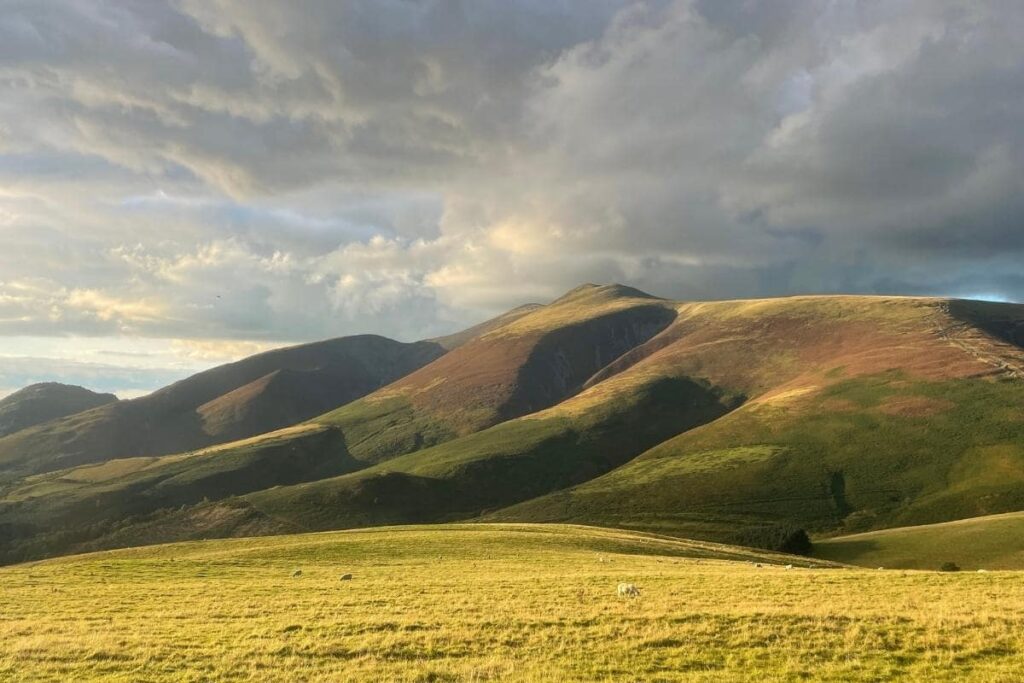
750	422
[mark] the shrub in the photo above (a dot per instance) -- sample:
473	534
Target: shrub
780	537
950	567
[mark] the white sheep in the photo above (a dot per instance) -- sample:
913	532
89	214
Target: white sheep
628	590
789	566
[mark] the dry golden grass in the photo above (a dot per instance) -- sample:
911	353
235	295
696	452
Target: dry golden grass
504	603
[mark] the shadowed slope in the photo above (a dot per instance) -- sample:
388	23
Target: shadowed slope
43	402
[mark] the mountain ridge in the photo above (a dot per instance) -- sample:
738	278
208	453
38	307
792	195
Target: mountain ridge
707	419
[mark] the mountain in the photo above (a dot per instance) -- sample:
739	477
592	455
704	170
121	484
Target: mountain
46	401
738	421
861	413
234	401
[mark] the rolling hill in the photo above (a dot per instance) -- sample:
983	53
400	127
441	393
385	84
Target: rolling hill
46	401
987	542
735	421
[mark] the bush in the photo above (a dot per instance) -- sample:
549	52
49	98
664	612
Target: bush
779	537
950	567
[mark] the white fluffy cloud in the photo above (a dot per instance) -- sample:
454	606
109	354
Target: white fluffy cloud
271	171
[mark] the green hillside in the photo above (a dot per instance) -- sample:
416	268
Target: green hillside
988	542
498	602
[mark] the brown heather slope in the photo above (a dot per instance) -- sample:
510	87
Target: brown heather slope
46	401
237	400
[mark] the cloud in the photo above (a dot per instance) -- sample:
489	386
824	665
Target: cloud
266	172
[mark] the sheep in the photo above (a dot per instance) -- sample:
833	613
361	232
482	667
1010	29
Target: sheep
297	573
789	566
346	577
983	571
628	590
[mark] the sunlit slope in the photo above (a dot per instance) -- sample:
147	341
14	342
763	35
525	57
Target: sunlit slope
989	542
497	602
862	413
238	400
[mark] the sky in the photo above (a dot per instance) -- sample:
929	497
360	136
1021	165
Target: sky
185	182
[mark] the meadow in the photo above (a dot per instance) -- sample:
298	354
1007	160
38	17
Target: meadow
497	602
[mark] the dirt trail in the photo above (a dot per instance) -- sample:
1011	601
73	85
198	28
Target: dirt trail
1006	359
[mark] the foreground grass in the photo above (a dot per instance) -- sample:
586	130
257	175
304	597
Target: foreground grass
495	602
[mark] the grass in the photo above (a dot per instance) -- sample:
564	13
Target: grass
989	542
496	603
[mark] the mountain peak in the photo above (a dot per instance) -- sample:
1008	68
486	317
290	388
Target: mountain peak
605	292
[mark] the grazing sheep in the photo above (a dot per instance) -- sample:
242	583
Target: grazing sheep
297	573
346	577
758	565
628	590
881	568
789	566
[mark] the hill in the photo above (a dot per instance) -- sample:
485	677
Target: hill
497	602
987	542
46	401
735	421
254	395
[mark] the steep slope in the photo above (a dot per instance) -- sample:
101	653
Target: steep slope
46	401
531	363
862	413
237	400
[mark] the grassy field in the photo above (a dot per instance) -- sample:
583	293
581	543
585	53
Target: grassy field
989	542
496	602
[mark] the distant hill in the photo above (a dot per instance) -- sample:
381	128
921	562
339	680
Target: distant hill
261	393
734	421
46	401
